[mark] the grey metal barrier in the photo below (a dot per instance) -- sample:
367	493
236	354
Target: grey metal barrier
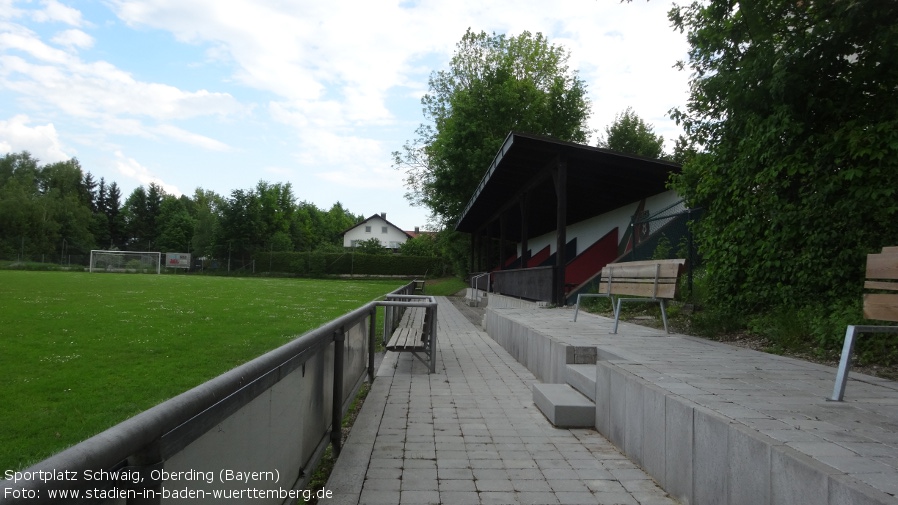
254	433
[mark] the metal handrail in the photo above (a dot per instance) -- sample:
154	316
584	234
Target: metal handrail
476	291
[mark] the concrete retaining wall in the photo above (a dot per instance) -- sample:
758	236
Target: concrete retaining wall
702	457
546	357
697	455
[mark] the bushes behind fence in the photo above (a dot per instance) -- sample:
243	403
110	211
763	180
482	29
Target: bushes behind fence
317	264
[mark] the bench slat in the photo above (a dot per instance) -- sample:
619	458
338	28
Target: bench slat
665	290
883	307
409	334
882	266
883	285
670	269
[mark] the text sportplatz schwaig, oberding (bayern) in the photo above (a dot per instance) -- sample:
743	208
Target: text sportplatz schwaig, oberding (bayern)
134	476
169	484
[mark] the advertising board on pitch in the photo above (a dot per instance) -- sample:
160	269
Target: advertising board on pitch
177	260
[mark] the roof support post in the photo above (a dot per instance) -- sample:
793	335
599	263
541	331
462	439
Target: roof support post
490	247
472	257
559	176
503	240
525	231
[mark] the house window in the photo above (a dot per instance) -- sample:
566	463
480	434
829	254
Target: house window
383	229
367	229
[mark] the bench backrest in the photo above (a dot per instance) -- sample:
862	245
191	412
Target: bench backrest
653	278
882	275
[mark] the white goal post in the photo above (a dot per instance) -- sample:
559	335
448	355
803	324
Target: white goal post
125	261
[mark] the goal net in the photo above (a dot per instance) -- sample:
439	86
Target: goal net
125	261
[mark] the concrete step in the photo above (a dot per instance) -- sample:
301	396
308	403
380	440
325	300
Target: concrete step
564	406
583	379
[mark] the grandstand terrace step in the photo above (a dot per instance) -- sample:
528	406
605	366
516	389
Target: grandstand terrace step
564	406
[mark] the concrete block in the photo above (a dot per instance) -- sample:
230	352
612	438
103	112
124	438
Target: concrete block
603	398
581	355
797	479
653	431
710	432
843	490
618	408
583	379
748	476
564	406
678	440
635	408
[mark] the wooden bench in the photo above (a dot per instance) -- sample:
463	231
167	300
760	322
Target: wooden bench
416	330
880	303
647	281
409	335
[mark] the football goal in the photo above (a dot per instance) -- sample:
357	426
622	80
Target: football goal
125	261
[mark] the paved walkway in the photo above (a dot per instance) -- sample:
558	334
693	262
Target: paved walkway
470	434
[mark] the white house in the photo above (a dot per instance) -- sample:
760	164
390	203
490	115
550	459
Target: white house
376	226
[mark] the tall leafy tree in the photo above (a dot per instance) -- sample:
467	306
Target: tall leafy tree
794	104
65	226
277	205
207	212
117	235
21	211
495	84
176	225
631	135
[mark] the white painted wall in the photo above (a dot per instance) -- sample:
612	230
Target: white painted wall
374	228
590	230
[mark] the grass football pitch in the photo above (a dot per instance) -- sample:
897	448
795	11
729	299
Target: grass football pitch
82	352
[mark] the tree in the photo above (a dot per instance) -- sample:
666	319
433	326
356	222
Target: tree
631	135
370	246
20	209
117	235
67	216
794	106
424	244
495	85
175	225
206	205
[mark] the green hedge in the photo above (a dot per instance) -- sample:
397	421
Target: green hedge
317	264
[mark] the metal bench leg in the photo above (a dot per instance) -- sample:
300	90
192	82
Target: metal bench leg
664	314
577	308
617	314
844	364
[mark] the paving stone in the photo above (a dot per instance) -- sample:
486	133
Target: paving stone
470	433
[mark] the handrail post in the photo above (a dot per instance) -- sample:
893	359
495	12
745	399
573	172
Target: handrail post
433	339
372	327
337	407
147	459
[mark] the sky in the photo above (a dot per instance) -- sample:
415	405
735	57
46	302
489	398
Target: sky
220	95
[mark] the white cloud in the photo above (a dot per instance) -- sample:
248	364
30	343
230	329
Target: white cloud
333	63
181	135
132	169
74	39
42	141
54	11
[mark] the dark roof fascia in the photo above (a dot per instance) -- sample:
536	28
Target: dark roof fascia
563	150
